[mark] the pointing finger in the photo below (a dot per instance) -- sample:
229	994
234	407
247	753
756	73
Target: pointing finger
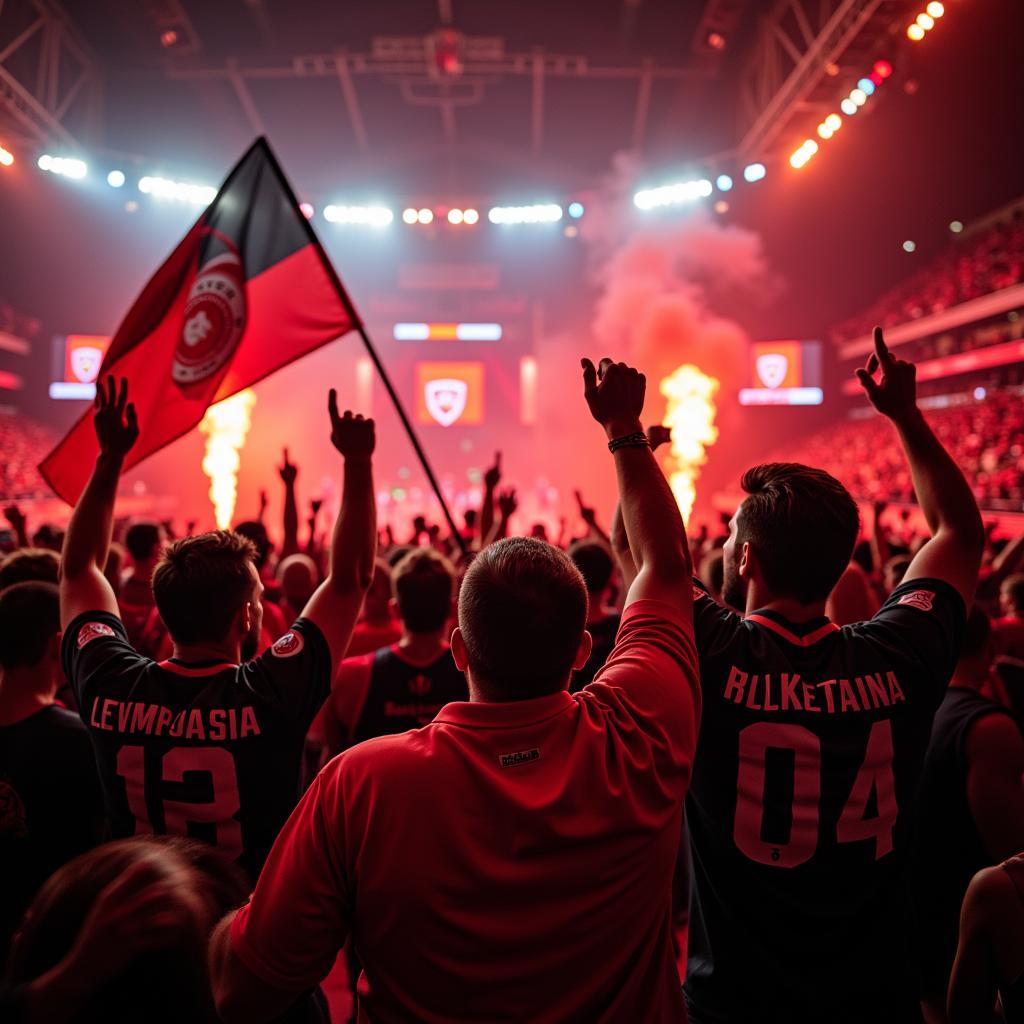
881	349
589	375
332	404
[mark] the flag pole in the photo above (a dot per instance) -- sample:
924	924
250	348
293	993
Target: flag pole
368	344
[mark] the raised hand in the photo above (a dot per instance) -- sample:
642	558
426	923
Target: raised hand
615	395
289	471
117	428
352	435
587	514
15	517
493	475
508	502
895	393
658	435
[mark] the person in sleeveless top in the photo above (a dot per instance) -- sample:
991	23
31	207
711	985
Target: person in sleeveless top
401	686
971	807
990	958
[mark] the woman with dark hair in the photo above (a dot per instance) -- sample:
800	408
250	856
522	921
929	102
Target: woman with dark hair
118	934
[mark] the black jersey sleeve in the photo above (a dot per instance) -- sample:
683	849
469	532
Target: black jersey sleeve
294	674
714	625
923	621
98	660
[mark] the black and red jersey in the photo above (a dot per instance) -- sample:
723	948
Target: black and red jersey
401	695
213	750
802	805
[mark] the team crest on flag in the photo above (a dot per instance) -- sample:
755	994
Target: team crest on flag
214	319
445	399
921	599
247	291
771	368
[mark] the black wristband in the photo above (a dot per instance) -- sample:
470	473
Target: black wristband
635	440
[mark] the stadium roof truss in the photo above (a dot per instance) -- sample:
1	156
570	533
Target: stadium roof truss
50	87
445	70
802	46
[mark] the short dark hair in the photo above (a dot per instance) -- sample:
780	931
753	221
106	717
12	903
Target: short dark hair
594	563
29	618
803	524
522	610
142	540
424	583
201	582
25	564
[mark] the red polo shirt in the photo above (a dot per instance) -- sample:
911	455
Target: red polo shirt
509	861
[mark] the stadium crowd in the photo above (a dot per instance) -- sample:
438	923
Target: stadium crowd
24	444
984	262
985	437
454	769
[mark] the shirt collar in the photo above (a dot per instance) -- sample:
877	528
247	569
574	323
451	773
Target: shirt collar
512	714
800	628
803	634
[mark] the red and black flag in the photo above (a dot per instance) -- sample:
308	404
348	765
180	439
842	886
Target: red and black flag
247	291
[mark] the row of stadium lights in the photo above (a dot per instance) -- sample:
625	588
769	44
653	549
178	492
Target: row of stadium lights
925	21
849	105
672	194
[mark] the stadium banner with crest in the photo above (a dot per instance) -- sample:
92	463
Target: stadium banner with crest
247	291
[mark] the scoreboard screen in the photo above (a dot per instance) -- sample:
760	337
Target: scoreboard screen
784	373
76	364
450	392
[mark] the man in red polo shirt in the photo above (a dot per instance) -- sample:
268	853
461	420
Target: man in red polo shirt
512	860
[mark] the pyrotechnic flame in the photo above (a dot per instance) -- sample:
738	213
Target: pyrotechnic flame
691	416
225	425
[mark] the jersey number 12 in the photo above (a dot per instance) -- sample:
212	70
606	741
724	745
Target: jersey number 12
212	780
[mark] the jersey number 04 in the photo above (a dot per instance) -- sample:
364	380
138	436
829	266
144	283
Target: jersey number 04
854	824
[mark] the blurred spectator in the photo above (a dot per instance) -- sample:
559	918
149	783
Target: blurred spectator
594	561
378	626
51	807
117	935
1009	629
29	564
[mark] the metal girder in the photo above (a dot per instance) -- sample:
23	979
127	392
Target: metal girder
795	44
523	64
406	61
50	89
